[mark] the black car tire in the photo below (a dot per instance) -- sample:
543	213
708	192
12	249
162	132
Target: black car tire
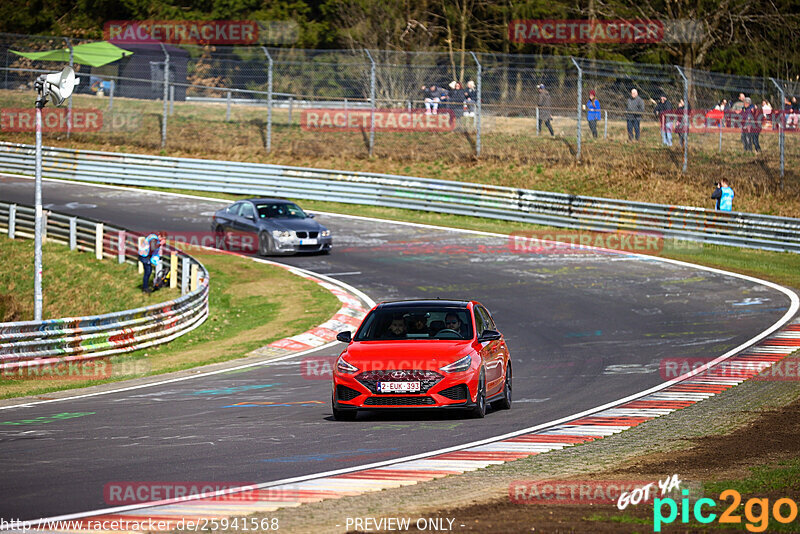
342	415
479	411
505	402
265	246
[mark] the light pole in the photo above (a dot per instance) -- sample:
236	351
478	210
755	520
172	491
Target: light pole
56	87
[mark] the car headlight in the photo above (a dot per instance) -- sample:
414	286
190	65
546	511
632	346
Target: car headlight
343	367
281	234
458	365
325	233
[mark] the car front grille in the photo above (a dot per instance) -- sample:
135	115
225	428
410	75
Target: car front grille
399	401
302	235
426	379
458	392
345	393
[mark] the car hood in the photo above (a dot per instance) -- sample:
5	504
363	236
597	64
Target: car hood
417	354
294	225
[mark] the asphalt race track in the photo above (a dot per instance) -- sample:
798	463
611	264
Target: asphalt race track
583	329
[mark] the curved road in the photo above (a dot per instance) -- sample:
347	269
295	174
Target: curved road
583	329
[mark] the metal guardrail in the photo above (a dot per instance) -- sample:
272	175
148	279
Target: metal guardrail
36	343
505	203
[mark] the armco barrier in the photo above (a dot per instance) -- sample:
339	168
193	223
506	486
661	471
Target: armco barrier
505	203
29	343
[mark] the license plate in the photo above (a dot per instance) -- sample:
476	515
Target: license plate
308	242
398	387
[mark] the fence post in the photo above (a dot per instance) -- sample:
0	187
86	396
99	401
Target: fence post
580	99
781	129
195	280
478	105
685	118
98	241
538	124
166	97
173	267
73	233
185	275
121	240
69	100
371	102
605	125
12	220
269	99
139	263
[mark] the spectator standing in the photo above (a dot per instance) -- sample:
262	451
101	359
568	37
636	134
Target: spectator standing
634	109
149	255
752	124
593	112
664	114
723	195
545	105
740	107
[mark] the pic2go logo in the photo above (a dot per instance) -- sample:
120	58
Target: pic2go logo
758	521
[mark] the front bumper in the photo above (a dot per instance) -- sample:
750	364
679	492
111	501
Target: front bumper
367	400
293	245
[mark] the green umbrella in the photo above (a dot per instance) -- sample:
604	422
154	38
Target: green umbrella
93	54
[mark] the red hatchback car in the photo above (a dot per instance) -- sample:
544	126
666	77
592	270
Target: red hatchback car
423	354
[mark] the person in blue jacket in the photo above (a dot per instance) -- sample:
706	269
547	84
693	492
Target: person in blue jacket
593	112
149	255
723	195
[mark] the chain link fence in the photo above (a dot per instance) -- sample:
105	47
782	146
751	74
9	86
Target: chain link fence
240	101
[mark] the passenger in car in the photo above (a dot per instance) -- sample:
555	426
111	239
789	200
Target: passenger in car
418	324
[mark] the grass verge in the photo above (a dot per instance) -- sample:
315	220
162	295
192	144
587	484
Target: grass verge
251	304
73	283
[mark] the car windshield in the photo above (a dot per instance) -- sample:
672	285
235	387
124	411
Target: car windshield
414	323
280	210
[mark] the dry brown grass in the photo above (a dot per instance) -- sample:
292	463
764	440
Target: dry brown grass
512	154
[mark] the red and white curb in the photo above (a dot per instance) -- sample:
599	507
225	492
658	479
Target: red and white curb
348	317
582	429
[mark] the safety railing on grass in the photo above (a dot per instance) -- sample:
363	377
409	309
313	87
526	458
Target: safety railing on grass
29	343
442	196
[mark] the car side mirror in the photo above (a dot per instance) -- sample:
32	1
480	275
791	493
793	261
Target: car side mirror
344	337
489	335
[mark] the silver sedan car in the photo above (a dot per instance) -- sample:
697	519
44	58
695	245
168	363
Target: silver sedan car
275	226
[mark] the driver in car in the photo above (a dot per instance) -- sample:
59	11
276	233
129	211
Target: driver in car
452	322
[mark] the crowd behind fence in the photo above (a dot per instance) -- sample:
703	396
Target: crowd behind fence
497	104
